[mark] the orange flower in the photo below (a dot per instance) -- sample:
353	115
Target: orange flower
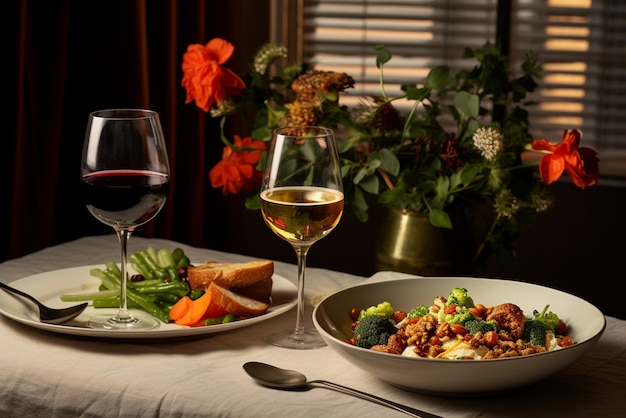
204	78
580	163
236	171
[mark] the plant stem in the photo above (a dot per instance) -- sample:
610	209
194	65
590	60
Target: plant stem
482	245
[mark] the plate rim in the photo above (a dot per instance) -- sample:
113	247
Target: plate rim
284	285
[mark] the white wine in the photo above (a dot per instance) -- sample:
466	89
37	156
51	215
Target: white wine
301	215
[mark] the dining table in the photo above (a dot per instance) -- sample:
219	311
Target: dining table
52	374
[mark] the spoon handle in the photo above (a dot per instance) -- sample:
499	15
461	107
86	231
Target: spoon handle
19	292
385	402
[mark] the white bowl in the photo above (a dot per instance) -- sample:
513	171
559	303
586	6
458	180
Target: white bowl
458	377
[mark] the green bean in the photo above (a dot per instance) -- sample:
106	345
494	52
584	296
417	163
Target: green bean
143	283
167	297
138	264
110	265
229	317
180	258
165	258
112	303
149	306
178	288
152	265
166	306
183	262
104	294
97	273
214	321
152	254
141	269
177	255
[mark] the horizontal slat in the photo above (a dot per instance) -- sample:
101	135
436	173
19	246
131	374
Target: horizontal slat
583	86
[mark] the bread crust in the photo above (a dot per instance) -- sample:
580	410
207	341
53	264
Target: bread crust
229	275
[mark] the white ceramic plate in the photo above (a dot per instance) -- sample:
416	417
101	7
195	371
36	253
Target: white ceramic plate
458	377
47	287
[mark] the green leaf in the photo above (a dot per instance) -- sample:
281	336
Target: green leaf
388	161
366	171
331	95
415	93
467	103
440	219
346	144
359	205
370	184
468	173
455	179
383	56
253	202
439	77
472	125
392	197
308	151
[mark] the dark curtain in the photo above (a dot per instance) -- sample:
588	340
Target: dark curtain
69	58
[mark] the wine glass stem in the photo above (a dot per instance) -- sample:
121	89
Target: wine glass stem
123	235
301	253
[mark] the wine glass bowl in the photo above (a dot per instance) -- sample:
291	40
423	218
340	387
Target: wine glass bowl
301	202
124	183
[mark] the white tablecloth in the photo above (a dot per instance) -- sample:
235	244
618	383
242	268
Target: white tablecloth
53	375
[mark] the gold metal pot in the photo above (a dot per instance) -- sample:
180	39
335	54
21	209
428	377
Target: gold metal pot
409	243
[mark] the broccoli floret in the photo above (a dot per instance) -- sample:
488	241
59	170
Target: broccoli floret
418	312
383	308
548	319
475	326
460	316
535	332
373	330
458	296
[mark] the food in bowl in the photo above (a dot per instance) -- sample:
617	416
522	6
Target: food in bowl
456	328
585	324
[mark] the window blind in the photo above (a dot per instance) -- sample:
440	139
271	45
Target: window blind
581	43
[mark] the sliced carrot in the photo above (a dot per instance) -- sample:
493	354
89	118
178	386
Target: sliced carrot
196	310
214	311
191	312
180	308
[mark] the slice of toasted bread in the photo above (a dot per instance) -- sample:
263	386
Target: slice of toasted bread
261	291
235	303
229	275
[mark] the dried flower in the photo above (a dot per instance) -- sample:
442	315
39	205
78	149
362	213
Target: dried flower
266	55
489	142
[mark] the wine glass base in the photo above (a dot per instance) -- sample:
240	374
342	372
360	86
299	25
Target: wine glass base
115	323
303	340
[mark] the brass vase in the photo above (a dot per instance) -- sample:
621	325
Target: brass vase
409	243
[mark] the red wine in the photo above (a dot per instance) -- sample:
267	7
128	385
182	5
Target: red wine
124	198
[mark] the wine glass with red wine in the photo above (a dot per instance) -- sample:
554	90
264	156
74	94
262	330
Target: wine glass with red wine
124	177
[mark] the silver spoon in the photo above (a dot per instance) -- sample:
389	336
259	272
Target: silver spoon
50	315
278	378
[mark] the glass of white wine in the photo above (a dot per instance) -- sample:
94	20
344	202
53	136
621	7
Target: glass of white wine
301	202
